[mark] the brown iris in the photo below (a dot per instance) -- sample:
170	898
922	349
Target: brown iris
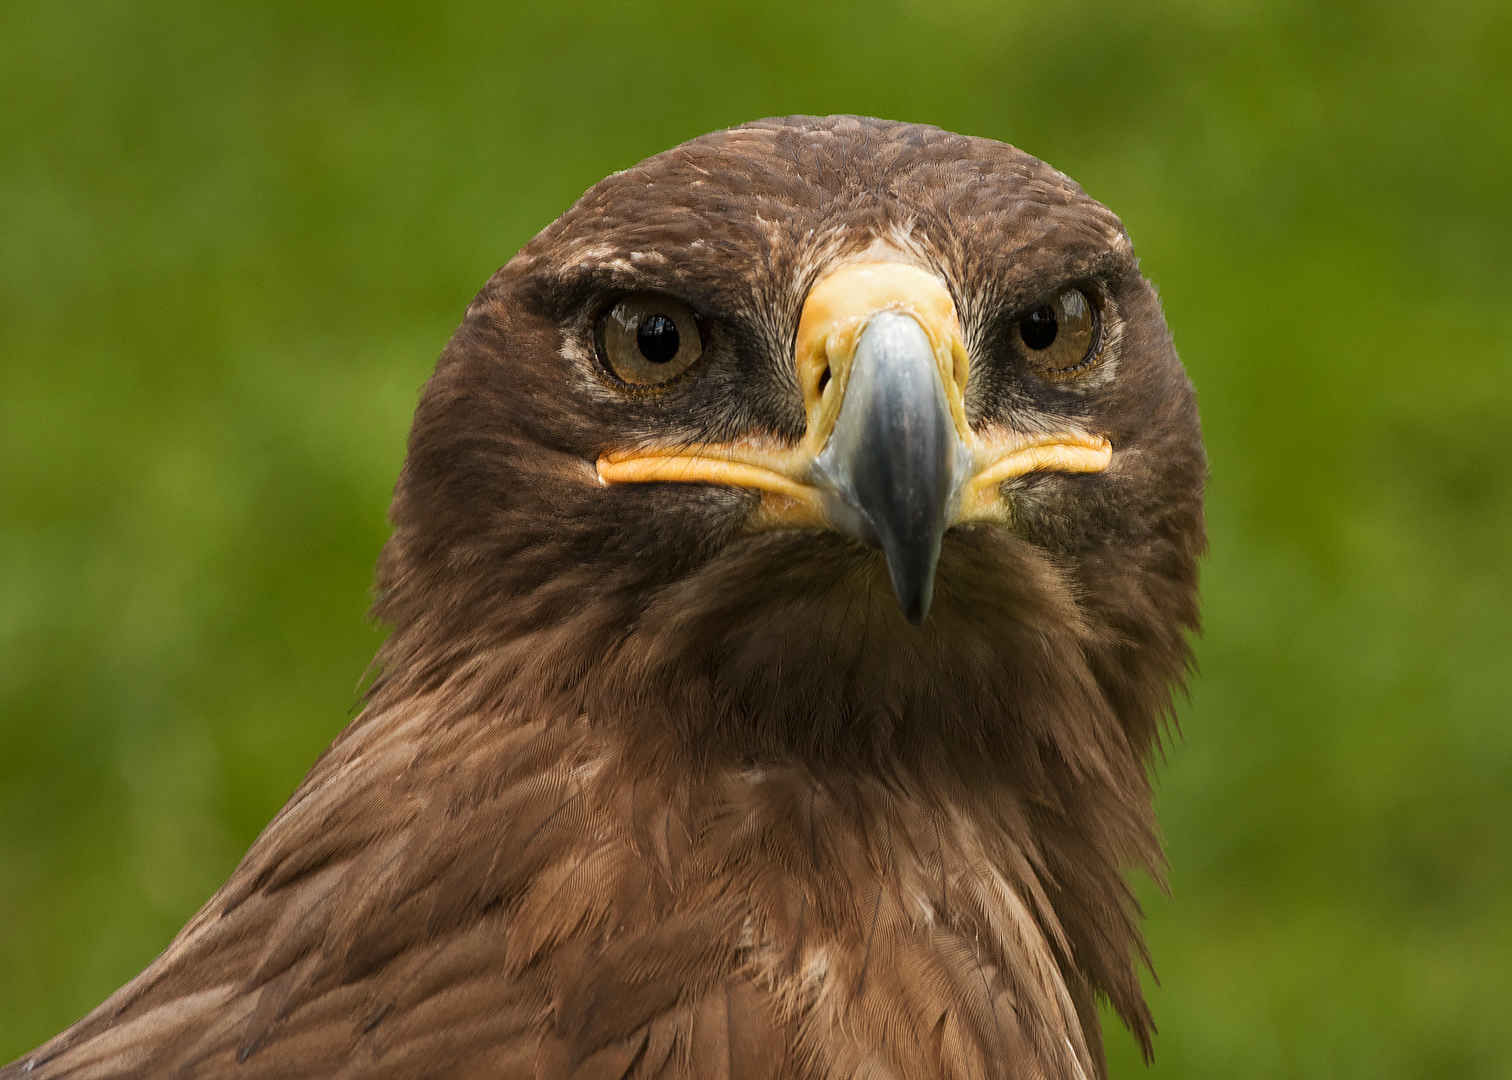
1062	336
647	339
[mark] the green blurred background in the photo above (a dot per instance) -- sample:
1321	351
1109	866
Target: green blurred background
234	237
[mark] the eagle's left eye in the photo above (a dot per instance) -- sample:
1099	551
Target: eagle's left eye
1062	337
647	339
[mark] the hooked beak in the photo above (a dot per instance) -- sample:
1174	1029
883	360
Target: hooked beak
889	457
895	463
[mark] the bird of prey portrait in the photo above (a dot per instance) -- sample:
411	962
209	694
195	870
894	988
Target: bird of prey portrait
793	564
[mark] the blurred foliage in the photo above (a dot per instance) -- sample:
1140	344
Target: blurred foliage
234	236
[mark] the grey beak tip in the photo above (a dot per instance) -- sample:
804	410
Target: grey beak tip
891	460
912	582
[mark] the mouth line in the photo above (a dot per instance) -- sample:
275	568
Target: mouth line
783	473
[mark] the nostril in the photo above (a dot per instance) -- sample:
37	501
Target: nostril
824	377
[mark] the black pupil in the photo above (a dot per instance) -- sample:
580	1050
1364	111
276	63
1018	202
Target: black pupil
1038	327
657	338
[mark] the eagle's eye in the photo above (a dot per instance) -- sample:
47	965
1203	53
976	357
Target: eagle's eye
1063	336
647	339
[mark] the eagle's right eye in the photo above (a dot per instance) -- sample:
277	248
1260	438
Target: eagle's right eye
647	339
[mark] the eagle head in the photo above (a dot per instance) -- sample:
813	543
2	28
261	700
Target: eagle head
834	437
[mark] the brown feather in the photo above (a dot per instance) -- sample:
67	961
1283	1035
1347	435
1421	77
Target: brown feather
638	795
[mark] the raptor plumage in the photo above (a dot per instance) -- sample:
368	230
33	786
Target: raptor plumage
657	779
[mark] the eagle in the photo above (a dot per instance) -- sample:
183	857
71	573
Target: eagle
792	567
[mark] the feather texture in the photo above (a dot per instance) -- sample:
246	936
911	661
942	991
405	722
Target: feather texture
639	794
